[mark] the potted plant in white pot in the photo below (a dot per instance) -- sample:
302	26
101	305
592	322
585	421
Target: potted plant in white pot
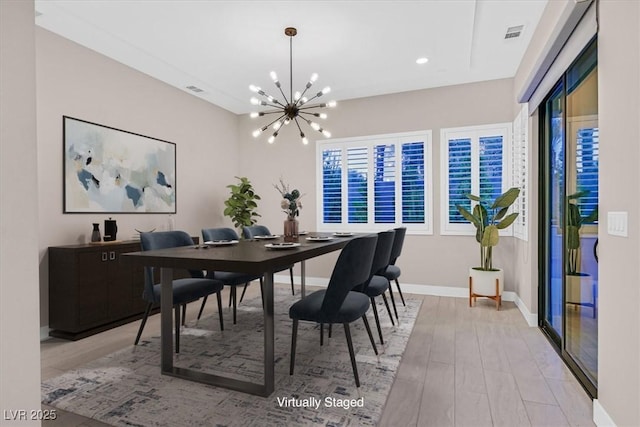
489	219
579	285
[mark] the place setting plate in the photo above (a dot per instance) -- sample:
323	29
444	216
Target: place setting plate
266	237
285	245
343	234
220	242
319	238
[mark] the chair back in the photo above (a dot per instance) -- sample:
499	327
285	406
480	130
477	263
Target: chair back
398	241
162	240
255	230
380	256
352	268
222	233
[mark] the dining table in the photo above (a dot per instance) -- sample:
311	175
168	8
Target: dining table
265	256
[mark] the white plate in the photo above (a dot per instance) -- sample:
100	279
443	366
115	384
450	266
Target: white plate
285	245
319	238
220	242
270	237
303	233
345	234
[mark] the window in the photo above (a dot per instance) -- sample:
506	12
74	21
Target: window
473	160
520	172
375	183
584	133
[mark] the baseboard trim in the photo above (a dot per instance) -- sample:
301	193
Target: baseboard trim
600	417
44	333
439	291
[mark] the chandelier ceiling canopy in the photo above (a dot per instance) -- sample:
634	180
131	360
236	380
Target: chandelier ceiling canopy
295	107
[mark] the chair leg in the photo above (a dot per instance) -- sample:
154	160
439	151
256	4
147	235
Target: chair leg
384	298
399	291
244	290
184	313
294	336
321	334
330	329
366	325
393	302
375	316
352	355
204	301
233	297
293	292
230	295
177	321
219	298
144	322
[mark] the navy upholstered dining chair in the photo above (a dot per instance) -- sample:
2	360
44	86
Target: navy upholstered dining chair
338	303
261	230
229	278
392	271
378	285
184	290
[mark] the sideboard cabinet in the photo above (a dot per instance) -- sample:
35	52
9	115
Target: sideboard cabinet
90	290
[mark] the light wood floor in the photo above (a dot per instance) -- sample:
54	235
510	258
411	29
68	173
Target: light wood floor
462	367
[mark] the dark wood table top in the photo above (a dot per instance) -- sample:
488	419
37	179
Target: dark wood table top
248	256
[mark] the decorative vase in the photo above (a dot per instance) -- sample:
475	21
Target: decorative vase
95	234
291	230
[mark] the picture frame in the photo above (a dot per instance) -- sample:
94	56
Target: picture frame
109	170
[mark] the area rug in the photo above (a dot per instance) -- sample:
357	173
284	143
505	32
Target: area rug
126	388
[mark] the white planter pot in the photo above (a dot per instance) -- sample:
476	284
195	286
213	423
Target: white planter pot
489	284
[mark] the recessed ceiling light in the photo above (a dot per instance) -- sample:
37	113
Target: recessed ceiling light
422	60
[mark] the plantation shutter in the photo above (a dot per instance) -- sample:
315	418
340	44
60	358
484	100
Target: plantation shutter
332	186
413	183
459	177
357	184
384	177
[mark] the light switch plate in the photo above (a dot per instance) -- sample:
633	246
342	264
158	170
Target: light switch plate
617	223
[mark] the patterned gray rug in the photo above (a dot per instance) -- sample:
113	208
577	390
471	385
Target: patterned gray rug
126	388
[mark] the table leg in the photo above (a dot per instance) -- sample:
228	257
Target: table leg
303	275
269	336
166	328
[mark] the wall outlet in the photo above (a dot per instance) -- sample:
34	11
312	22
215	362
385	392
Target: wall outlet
617	223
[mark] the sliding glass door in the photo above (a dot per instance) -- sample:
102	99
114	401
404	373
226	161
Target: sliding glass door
569	217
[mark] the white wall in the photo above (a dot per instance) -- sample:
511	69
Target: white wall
19	346
426	260
75	81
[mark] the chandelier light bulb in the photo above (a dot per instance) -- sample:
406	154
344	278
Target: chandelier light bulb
256	133
314	77
271	139
287	121
314	126
305	141
254	114
326	133
323	116
274	76
277	125
297	96
254	88
331	104
326	90
255	101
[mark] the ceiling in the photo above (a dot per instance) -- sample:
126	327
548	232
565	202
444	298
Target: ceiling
359	48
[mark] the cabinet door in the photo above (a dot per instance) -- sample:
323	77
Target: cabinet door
92	288
120	282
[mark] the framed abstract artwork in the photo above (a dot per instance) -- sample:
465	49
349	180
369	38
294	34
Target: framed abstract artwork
108	170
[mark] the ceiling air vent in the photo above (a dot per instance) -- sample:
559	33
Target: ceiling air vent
513	32
195	89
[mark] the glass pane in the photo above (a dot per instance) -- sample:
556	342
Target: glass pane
413	183
357	183
384	186
581	288
555	212
459	177
490	153
332	186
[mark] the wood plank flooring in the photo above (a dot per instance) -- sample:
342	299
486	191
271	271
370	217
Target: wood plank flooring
462	367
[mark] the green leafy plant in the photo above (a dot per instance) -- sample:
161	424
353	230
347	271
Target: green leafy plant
575	220
241	205
489	218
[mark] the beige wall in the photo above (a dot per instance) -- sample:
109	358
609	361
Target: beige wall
426	260
619	299
19	341
78	82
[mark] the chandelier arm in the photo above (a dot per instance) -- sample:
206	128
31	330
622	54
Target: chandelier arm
302	95
283	95
276	120
298	124
311	106
270	98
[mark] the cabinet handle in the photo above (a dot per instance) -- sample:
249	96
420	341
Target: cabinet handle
112	255
104	256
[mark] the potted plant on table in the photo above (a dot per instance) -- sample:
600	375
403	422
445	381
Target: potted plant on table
241	205
290	205
489	219
579	285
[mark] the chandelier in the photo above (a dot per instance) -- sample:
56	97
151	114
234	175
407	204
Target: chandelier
294	108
